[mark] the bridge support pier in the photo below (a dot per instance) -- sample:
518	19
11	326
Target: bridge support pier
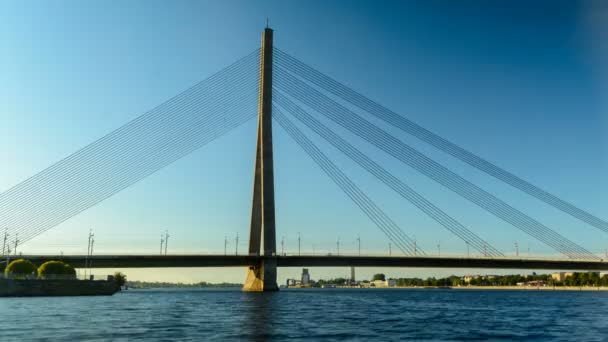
263	277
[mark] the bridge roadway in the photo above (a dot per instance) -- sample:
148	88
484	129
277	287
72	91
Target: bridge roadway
161	261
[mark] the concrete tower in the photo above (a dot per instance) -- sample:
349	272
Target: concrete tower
262	238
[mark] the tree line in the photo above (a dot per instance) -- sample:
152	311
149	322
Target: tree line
576	279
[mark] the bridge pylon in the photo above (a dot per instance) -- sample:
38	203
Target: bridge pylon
262	236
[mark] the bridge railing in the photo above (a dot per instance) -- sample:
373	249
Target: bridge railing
441	256
66	257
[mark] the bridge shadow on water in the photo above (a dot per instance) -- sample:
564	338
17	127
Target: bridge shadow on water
263	312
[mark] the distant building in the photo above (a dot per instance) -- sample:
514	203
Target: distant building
561	276
383	283
292	282
536	283
305	276
377	283
467	278
352	274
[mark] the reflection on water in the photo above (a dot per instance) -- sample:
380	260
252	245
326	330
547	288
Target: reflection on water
258	309
312	315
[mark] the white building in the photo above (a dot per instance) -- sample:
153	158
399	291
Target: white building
384	283
560	276
467	278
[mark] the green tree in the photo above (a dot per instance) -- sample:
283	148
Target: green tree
70	271
120	278
20	269
379	276
56	270
604	280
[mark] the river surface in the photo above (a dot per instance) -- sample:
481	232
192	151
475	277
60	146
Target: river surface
310	315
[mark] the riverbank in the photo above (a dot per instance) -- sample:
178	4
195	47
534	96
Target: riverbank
135	284
532	288
519	288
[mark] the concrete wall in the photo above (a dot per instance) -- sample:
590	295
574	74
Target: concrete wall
29	288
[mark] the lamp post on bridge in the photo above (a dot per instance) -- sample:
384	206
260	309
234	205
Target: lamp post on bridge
225	244
162	240
89	252
8	252
166	240
91	261
5	239
338	245
359	244
299	241
16	243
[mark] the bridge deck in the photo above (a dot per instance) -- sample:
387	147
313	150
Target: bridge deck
161	261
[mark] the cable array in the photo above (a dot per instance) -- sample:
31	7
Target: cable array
321	103
227	99
371	210
386	177
344	92
159	137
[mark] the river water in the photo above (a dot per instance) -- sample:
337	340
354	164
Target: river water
311	315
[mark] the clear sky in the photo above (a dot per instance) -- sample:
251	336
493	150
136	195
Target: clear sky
523	85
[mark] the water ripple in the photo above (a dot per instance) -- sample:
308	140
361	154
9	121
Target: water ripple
319	315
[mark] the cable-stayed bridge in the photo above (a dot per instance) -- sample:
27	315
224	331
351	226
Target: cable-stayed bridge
270	84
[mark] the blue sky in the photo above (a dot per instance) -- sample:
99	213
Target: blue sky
520	84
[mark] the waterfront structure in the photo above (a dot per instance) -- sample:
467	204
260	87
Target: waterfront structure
383	283
305	277
467	278
352	274
293	282
561	276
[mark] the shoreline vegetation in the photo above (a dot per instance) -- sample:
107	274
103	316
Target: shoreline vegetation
555	281
474	287
574	281
161	284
